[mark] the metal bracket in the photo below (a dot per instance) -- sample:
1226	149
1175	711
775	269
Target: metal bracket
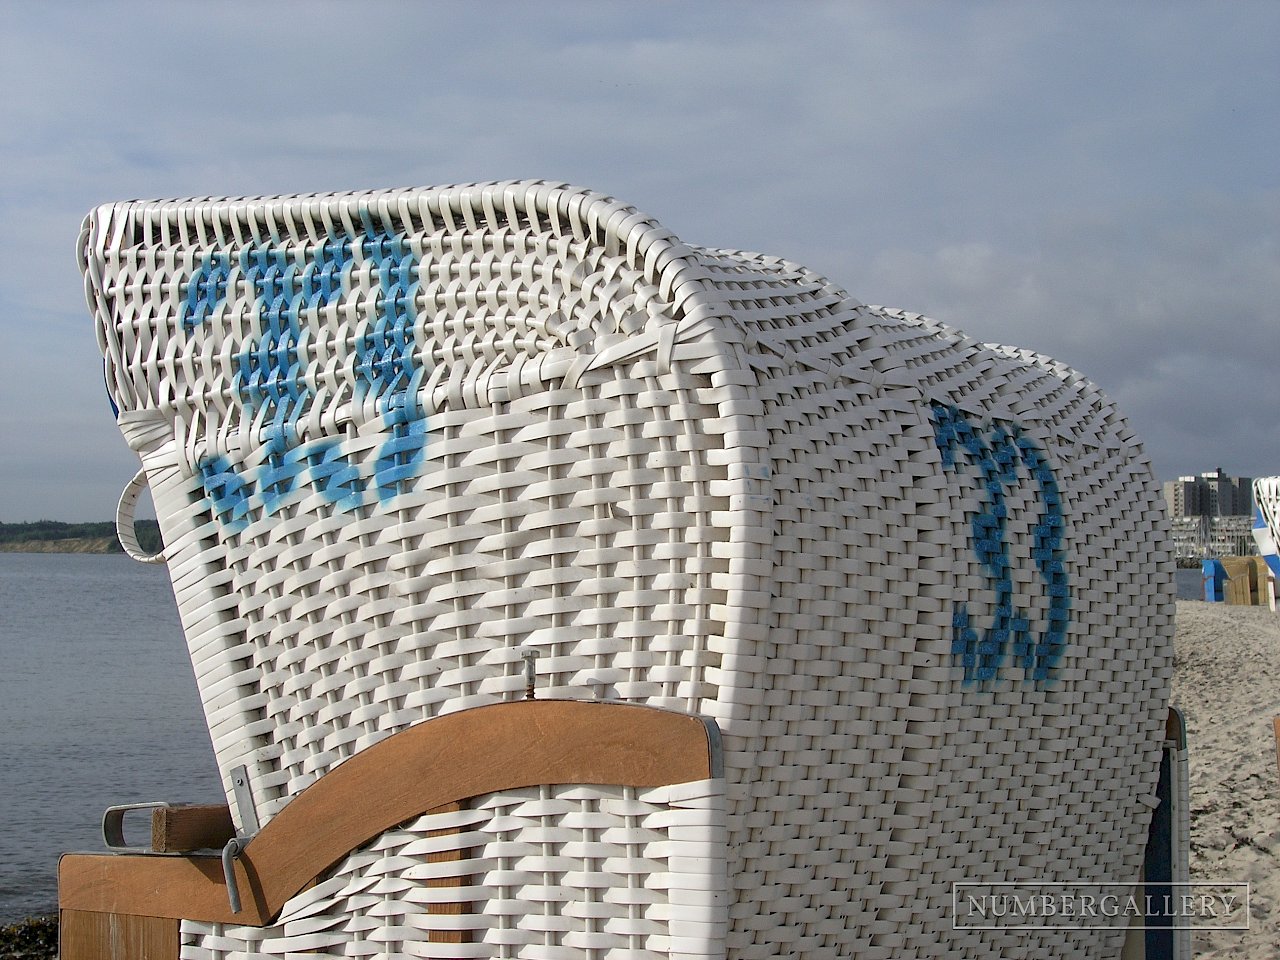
249	825
235	846
113	824
244	800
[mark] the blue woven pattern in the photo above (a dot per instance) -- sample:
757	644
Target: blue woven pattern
336	477
1051	562
324	279
278	475
270	372
399	457
384	355
997	458
227	492
205	291
385	360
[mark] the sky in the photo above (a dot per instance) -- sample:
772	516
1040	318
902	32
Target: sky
1096	181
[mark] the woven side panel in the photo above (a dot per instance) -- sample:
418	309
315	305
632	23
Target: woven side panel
584	872
921	718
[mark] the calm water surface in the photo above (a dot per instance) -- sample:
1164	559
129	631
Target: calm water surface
98	705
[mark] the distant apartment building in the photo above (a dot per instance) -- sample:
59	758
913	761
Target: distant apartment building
1211	515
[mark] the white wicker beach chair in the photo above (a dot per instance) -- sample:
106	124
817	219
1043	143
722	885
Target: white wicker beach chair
397	440
1266	525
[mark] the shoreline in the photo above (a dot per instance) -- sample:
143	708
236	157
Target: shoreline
98	546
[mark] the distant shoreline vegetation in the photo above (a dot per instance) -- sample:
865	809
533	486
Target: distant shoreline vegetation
54	536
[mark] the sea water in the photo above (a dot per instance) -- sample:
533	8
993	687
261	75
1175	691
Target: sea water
98	706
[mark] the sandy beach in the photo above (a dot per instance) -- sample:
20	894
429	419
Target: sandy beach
1227	683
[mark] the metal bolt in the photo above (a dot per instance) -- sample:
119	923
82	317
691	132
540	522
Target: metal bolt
530	673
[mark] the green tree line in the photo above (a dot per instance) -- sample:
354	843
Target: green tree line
44	530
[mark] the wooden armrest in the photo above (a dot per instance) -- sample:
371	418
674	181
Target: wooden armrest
424	768
182	829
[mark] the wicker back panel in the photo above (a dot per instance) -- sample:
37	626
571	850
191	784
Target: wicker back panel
395	439
550	524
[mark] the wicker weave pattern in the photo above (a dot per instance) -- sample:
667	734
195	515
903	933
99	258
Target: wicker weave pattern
326	655
549	872
918	581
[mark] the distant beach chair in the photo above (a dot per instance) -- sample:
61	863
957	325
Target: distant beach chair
1215	577
558	589
1266	531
